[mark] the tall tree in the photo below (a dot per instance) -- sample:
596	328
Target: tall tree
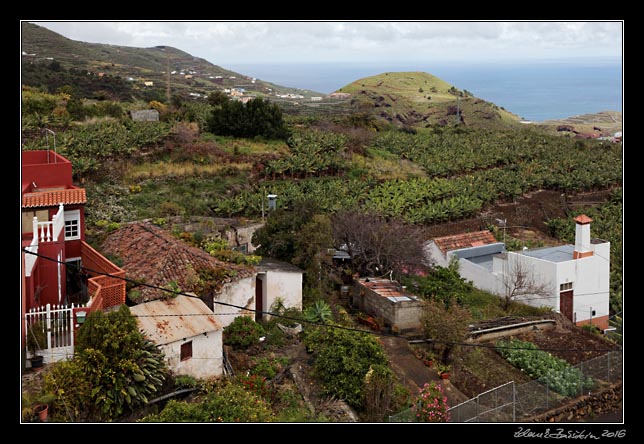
257	117
376	245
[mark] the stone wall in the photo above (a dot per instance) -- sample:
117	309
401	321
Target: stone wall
586	407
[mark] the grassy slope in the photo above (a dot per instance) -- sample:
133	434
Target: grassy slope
140	63
421	99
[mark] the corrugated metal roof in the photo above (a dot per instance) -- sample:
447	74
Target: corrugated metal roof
71	196
384	287
174	319
464	240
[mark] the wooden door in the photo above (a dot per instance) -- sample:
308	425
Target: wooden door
259	298
565	304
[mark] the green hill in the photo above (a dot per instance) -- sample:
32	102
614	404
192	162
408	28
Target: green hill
189	74
421	99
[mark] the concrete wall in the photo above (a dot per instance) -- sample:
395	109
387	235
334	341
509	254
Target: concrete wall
434	255
207	356
243	235
239	293
480	276
401	315
283	285
543	273
591	287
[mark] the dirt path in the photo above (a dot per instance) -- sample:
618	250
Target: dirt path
413	373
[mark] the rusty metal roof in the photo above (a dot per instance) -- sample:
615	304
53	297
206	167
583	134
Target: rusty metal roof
465	240
383	287
70	196
175	319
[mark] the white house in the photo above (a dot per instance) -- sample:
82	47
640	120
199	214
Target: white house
277	281
574	279
187	332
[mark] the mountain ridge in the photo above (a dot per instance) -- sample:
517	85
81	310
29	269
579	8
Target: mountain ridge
139	65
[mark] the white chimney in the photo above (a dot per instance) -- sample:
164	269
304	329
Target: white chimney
582	237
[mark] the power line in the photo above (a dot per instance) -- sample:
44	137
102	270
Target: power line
300	320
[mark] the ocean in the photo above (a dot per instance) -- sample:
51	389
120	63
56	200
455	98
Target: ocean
534	91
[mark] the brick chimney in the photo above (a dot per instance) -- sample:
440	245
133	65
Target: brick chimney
582	237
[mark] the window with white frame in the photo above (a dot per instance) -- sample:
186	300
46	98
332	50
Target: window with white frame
565	287
72	224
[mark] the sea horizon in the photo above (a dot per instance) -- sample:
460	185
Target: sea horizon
535	91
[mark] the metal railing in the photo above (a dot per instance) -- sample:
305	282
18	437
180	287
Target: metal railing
513	403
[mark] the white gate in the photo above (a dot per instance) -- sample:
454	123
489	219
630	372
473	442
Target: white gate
59	323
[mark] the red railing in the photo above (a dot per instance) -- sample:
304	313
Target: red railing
106	286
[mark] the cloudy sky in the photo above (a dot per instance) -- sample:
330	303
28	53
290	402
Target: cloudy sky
229	43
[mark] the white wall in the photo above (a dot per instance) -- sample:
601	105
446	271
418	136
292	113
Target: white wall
207	356
240	293
591	285
480	276
284	285
543	273
434	255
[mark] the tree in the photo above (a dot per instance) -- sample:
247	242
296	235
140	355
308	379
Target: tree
257	117
518	280
343	359
217	98
441	284
378	246
121	365
300	235
446	326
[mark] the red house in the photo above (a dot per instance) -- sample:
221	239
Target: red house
58	267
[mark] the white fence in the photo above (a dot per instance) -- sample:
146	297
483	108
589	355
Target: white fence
59	327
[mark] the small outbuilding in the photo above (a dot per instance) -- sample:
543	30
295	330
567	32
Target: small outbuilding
187	332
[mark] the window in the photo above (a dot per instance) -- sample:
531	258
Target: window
186	351
565	287
243	248
72	225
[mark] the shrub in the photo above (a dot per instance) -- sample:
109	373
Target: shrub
378	392
431	405
242	333
267	367
227	403
318	312
343	360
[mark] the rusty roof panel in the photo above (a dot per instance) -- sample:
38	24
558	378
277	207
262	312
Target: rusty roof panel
174	319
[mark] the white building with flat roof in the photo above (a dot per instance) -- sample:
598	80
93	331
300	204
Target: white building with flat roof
573	279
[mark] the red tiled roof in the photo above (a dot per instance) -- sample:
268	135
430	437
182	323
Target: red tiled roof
156	257
583	219
70	196
465	240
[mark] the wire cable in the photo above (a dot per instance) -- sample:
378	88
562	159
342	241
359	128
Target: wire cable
312	323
